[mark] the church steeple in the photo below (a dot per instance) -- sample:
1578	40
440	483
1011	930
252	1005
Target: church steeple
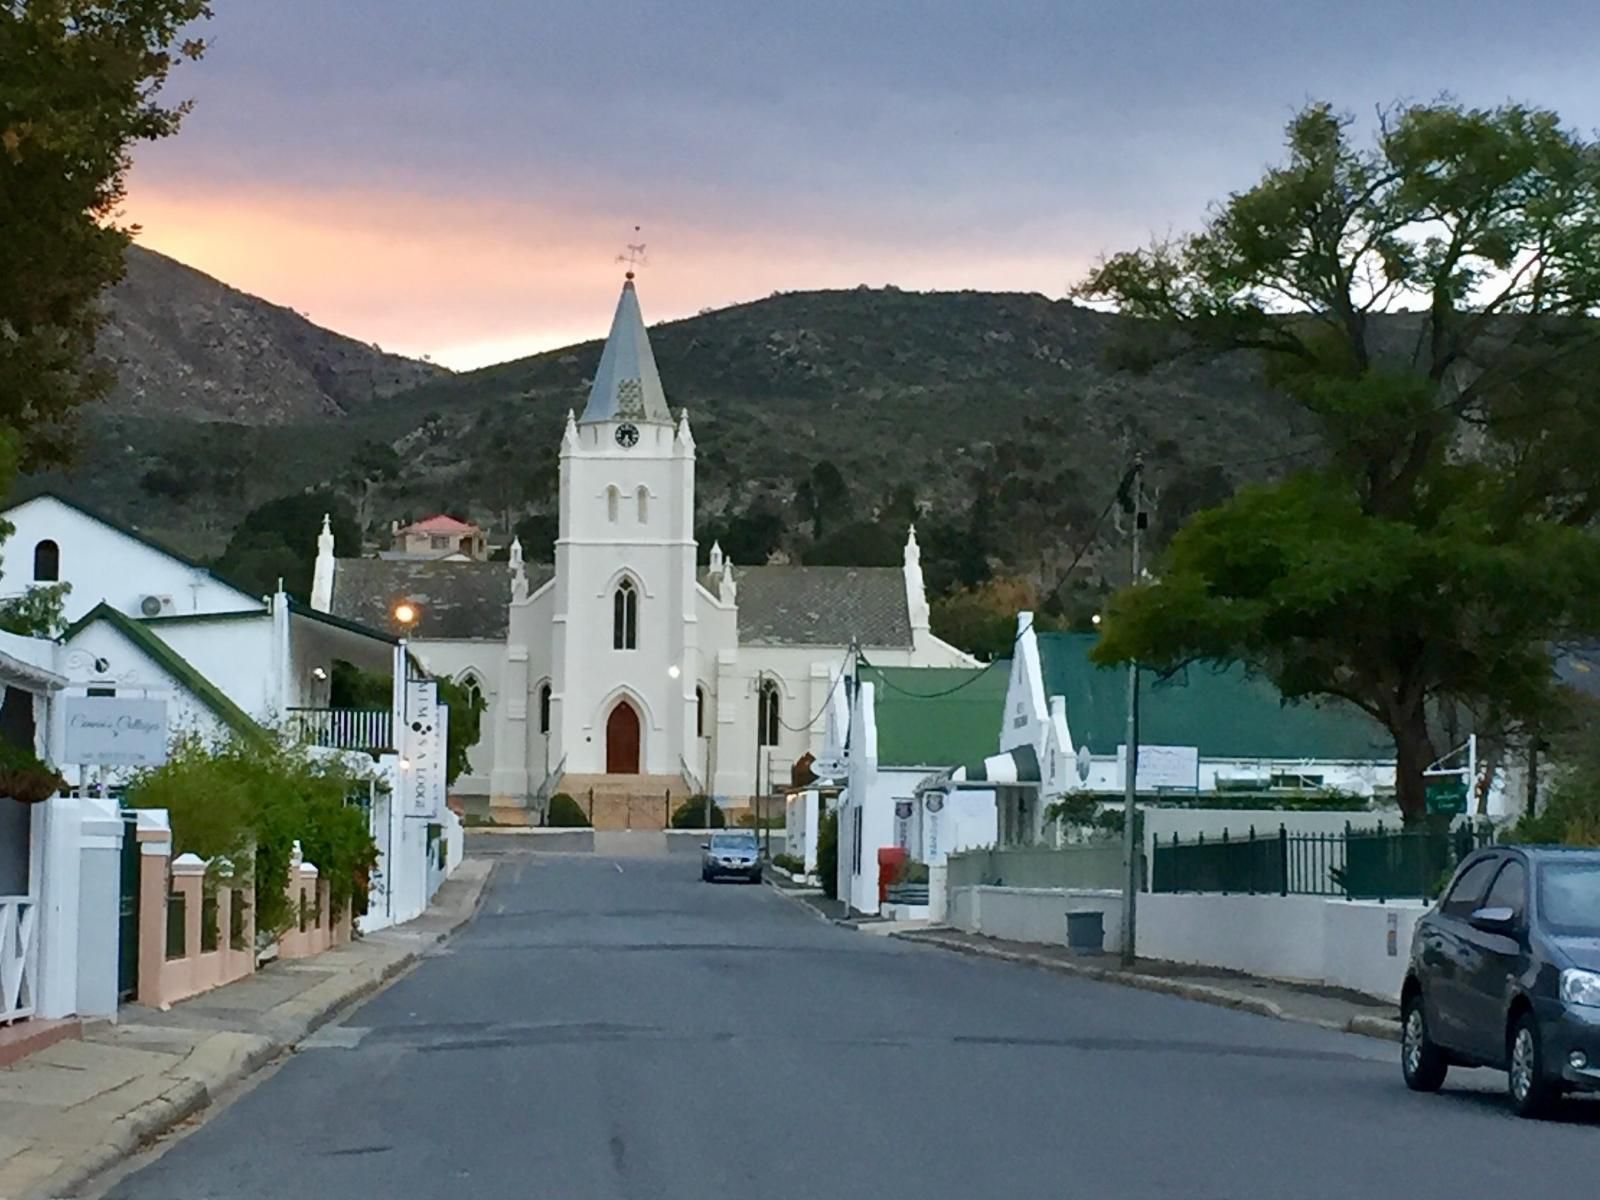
627	386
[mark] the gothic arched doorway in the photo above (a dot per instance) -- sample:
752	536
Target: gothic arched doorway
622	740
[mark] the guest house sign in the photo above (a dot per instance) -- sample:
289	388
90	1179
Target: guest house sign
110	731
422	772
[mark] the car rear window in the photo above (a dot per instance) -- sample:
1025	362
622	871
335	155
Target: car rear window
1569	899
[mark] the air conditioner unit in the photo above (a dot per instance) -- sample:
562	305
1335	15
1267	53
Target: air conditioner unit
156	606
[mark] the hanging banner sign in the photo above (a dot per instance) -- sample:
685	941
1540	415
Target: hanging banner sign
424	751
108	731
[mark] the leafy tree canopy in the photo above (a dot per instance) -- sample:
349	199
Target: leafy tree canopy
81	84
1429	301
278	540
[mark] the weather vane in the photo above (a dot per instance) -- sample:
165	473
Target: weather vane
633	255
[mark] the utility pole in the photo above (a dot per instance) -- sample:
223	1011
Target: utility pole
1133	493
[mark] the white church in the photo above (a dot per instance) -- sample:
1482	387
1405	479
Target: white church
624	671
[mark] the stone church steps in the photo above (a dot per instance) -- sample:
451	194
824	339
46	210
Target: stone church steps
626	801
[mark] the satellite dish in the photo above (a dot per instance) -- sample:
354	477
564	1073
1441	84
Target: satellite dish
1085	761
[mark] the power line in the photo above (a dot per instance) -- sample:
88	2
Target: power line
826	700
1083	549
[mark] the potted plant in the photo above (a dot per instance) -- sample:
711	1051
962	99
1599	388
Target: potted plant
24	777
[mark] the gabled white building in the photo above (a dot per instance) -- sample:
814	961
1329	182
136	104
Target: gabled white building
623	666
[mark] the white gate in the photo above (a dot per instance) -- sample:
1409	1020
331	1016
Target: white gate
17	917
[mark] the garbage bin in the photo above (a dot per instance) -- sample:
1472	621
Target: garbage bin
1086	932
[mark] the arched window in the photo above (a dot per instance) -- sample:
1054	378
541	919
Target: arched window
613	502
625	617
544	708
644	503
47	562
699	712
473	687
767	714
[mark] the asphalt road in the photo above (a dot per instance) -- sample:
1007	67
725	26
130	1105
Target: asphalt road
619	1029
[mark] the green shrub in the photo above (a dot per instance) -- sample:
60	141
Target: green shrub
248	800
790	863
691	814
828	853
565	813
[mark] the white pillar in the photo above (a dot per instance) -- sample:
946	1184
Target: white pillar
55	840
99	907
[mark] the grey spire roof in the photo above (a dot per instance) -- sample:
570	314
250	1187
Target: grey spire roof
627	385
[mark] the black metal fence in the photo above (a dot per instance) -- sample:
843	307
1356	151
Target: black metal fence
1358	864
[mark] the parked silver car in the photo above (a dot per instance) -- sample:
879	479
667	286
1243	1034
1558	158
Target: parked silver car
732	852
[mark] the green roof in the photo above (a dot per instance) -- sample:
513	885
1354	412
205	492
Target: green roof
1225	712
937	716
173	663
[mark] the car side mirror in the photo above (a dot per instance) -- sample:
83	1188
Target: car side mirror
1495	920
705	845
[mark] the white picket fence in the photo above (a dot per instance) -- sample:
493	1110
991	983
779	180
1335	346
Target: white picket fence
18	915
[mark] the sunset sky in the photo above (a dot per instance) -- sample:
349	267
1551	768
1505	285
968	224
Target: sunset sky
456	179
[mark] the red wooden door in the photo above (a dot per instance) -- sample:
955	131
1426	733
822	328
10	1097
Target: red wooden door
622	740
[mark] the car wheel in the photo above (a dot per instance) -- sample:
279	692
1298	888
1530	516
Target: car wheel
756	878
1532	1094
705	875
1421	1060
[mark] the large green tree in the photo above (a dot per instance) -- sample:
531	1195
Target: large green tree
80	84
278	540
1429	300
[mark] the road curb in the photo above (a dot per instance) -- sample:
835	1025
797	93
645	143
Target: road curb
1375	1027
237	1056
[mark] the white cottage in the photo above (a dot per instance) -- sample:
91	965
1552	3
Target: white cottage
623	667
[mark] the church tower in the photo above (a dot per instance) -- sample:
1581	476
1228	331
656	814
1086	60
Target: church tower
623	635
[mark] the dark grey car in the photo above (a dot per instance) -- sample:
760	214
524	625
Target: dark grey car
734	853
1505	973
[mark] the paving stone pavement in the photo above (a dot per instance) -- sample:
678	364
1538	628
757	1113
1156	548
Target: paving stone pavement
75	1108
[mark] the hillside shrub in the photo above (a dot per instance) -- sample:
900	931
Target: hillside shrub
564	812
828	853
691	814
790	863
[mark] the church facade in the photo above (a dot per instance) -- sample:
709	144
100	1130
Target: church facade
625	665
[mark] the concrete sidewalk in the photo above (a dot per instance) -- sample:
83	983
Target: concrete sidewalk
1330	1008
75	1108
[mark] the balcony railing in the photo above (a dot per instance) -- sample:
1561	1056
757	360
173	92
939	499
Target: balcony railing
343	728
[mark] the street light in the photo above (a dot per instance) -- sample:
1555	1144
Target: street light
673	671
405	612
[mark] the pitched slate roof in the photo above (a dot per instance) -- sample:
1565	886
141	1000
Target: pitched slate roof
173	663
821	606
453	599
937	716
1225	713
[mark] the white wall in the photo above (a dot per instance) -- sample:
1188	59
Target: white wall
1312	939
236	656
103	564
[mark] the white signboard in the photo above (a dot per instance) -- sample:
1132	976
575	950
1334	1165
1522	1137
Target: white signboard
109	731
424	749
1163	767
